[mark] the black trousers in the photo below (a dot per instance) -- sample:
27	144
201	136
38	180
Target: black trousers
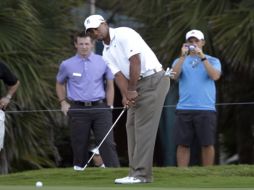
98	118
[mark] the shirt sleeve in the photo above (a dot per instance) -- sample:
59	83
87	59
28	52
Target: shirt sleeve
174	62
113	68
62	74
109	74
130	43
215	63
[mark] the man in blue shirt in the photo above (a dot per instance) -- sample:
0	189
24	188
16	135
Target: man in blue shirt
195	112
84	98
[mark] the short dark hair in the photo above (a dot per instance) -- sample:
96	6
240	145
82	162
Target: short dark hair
81	34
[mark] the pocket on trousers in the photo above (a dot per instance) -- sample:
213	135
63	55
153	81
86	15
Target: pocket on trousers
153	82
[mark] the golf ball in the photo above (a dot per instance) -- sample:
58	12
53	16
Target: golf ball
38	184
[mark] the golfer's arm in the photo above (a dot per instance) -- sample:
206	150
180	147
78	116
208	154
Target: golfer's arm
122	83
135	68
60	91
110	91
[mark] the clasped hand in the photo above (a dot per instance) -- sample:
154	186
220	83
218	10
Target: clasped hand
130	99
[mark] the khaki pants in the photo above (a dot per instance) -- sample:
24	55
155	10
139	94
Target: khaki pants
142	124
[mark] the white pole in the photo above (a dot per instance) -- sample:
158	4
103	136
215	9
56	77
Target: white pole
92	7
92	12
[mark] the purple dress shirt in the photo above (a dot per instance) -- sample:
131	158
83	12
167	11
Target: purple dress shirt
84	77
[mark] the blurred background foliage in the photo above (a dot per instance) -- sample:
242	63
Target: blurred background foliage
36	35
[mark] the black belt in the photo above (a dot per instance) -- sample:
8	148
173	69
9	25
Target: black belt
93	103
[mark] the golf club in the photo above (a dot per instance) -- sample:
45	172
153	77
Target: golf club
97	148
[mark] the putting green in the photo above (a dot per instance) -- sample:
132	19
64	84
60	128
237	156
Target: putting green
121	187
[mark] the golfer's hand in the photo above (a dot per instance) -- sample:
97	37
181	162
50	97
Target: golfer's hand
65	106
132	95
4	103
127	103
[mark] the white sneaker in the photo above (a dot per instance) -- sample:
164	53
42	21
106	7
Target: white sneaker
78	168
102	166
128	180
120	180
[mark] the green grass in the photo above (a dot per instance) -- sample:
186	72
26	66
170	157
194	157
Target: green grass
219	177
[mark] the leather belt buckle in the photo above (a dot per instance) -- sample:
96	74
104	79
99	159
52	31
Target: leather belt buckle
88	104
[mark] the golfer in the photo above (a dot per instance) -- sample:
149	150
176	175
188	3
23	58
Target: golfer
139	76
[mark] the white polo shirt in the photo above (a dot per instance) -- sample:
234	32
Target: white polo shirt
124	43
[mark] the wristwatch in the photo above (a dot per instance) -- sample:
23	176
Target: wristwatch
203	59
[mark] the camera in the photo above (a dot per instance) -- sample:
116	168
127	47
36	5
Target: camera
191	47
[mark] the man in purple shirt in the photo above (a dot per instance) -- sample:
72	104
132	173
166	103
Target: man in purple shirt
87	100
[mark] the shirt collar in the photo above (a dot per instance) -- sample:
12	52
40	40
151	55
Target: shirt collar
112	35
89	58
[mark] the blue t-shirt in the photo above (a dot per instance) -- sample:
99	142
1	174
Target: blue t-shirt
196	89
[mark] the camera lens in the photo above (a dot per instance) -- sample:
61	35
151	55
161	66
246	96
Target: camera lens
191	47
